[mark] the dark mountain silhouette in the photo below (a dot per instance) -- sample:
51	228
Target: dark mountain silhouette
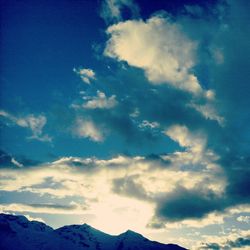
17	232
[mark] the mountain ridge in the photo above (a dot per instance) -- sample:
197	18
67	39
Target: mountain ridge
17	232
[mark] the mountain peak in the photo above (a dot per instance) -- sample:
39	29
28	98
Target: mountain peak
132	233
86	225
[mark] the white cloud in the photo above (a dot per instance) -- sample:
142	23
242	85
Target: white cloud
160	47
87	129
111	9
217	55
7	115
194	142
101	101
196	156
15	162
33	122
135	114
87	75
148	124
243	218
209	112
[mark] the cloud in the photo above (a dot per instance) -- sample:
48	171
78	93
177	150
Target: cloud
213	246
112	10
181	134
245	219
183	204
177	54
212	218
129	187
121	187
32	122
42	208
209	112
160	48
101	102
7	160
113	186
147	124
155	224
229	110
87	129
234	240
16	163
239	242
194	143
87	75
92	181
192	186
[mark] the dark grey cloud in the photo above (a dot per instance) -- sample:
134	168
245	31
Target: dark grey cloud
128	187
156	225
211	246
54	206
185	203
240	242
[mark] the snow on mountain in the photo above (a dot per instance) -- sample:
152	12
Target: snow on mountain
17	232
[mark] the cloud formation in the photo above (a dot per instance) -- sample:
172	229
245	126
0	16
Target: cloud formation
87	128
32	122
101	101
139	179
235	240
193	118
178	53
87	75
160	48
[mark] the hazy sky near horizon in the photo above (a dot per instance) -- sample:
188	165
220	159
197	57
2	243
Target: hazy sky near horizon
128	114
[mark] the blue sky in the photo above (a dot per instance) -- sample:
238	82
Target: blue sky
114	107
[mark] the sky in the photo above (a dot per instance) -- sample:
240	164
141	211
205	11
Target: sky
128	114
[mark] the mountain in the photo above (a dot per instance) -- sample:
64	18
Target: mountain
17	232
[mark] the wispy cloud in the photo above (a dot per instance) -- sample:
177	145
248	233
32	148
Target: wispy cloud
112	9
35	123
42	208
86	128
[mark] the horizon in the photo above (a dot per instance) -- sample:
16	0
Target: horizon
80	235
84	224
128	114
